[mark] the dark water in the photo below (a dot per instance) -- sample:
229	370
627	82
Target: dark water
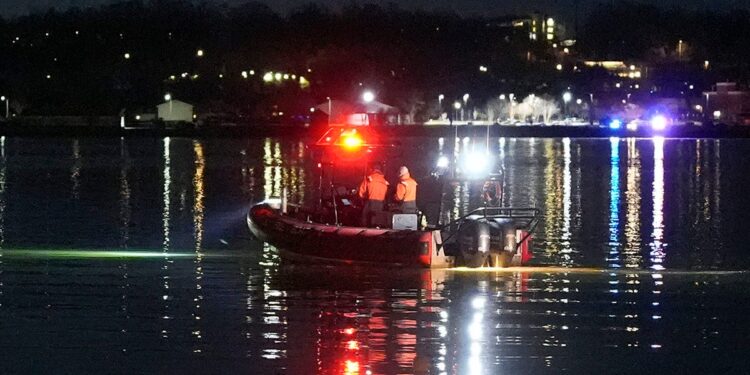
130	256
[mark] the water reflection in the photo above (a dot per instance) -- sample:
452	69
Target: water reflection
198	217
75	170
613	259
125	205
657	253
565	235
3	177
632	250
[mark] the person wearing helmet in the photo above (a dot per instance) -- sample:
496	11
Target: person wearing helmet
372	191
406	192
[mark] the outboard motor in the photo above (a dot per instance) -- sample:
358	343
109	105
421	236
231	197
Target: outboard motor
474	241
491	236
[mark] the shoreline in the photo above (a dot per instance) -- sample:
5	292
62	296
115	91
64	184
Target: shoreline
275	130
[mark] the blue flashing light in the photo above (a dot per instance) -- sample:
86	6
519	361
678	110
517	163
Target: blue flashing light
658	122
615	124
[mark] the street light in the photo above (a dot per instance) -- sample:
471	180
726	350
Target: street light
440	100
168	97
368	96
466	100
6	100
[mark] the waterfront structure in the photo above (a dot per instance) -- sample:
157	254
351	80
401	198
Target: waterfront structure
727	103
175	111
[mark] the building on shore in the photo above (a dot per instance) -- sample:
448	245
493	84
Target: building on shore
175	111
727	103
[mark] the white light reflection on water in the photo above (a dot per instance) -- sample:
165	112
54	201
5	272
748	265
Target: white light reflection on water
75	170
125	206
657	245
475	331
3	171
657	236
565	236
632	250
166	195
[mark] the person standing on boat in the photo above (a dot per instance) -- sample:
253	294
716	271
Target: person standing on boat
406	192
372	191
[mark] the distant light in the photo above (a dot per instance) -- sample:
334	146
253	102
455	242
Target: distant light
579	101
706	65
172	77
49	76
717	114
221	75
309	70
286	76
443	162
278	76
2	98
559	67
482	68
268	77
566	50
567	97
617	85
699	108
126	56
244	74
312	109
632	67
303	82
167	97
658	122
502	96
550	22
633	125
637	86
368	96
199	53
137	117
466	98
615	124
692	87
252	72
457	105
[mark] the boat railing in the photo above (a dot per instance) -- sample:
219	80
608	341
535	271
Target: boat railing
528	216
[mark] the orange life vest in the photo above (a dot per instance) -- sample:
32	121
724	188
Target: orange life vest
406	191
374	187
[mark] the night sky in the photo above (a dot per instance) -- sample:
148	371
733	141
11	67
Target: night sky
564	8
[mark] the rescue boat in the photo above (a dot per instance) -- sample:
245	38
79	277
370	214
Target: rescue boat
492	236
488	236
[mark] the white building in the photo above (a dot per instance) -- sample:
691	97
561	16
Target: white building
175	111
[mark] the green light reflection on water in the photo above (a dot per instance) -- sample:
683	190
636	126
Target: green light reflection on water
86	254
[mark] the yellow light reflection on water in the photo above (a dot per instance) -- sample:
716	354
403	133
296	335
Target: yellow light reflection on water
582	270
